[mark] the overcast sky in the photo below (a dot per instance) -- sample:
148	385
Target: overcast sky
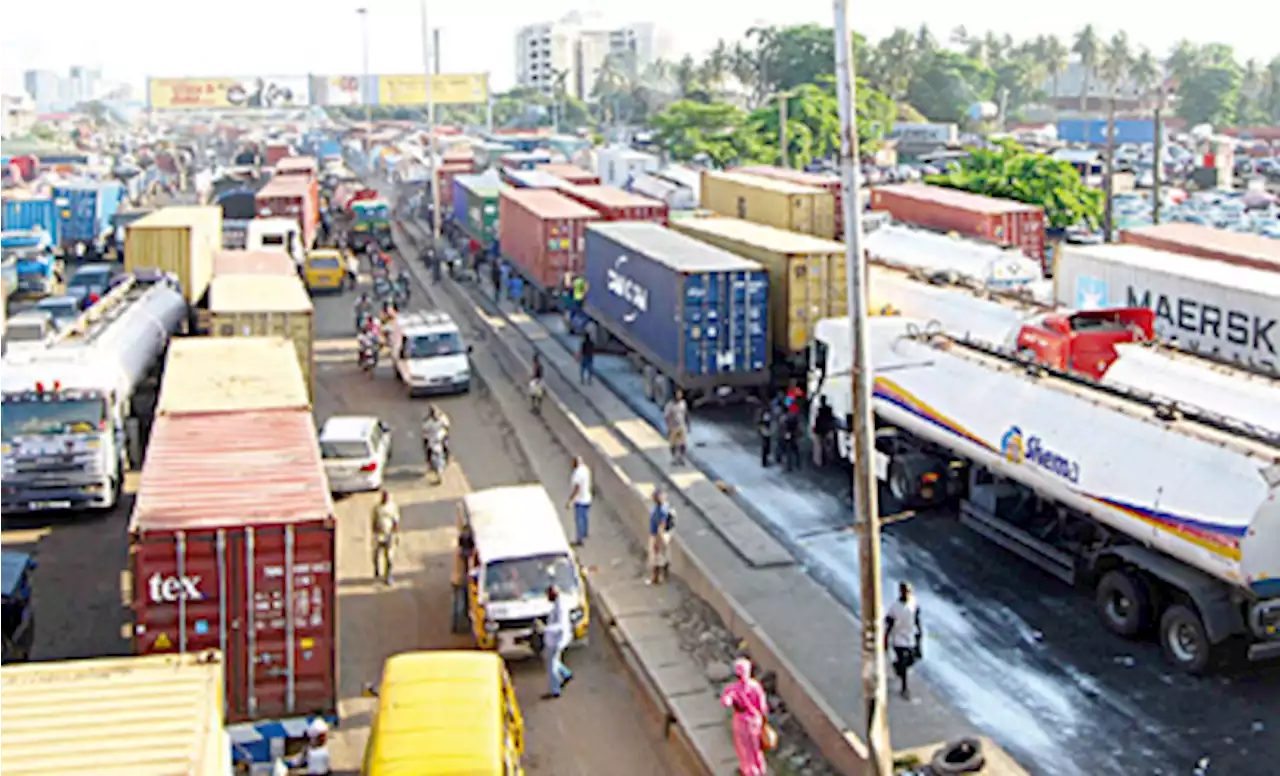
131	39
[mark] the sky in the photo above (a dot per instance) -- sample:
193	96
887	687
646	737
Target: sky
133	39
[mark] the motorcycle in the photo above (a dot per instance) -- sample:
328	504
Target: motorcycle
368	359
362	320
400	291
437	459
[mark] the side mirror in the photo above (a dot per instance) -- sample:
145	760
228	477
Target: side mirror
370	690
471	349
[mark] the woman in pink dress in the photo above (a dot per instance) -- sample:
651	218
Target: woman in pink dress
750	707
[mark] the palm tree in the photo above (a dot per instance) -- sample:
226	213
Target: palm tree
1117	59
1184	58
925	43
1272	84
685	74
717	66
1053	55
1089	47
1145	72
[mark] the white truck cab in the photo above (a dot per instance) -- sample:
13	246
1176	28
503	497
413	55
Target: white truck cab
276	234
428	354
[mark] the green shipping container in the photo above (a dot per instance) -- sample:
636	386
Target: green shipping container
482	209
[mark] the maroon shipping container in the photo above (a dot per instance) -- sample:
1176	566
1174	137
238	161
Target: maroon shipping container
543	233
231	547
1245	250
292	196
448	171
614	204
813	180
304	166
348	193
1000	221
276	152
570	173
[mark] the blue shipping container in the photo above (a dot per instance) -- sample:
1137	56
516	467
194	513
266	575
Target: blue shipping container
86	210
525	160
1094	131
531	179
24	214
330	149
698	313
518	142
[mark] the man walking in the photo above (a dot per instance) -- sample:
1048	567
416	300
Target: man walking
676	415
791	441
353	270
580	499
661	523
386	533
905	634
495	277
462	572
824	426
586	358
767	427
555	639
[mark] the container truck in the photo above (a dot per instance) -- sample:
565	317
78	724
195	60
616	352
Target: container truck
232	548
232	374
1000	221
445	175
653	186
138	715
542	234
304	166
370	225
84	211
119	227
780	204
292	197
617	165
275	152
73	411
570	173
1171	522
696	316
35	271
475	207
530	179
614	204
177	240
1245	250
25	212
254	263
265	305
524	160
815	180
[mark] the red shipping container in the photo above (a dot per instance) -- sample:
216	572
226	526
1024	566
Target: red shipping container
291	196
347	193
543	233
276	152
571	173
446	174
1000	221
813	180
304	166
1245	250
232	548
614	204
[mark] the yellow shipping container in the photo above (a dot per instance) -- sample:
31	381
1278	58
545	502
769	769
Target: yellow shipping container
145	716
232	374
807	279
779	204
180	240
265	306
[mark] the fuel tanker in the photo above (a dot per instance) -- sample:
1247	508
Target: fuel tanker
1170	517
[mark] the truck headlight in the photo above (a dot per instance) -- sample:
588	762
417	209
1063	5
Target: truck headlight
462	377
577	614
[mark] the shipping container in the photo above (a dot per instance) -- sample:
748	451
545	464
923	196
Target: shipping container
524	160
487	154
475	205
807	280
231	547
231	374
1094	131
697	314
292	197
305	166
254	263
1241	249
614	204
143	716
1218	310
779	204
85	211
347	194
276	152
531	179
180	240
459	157
571	173
446	174
542	234
617	165
1000	221
266	306
27	166
24	212
825	181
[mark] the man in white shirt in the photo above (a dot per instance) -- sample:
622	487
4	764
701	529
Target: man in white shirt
580	499
315	758
555	639
904	633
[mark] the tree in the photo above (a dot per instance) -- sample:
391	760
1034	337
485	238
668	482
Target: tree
1183	60
813	122
1145	72
1053	56
945	87
1210	95
717	133
1089	47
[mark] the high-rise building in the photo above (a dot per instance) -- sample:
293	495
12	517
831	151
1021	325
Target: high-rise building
576	47
44	86
83	84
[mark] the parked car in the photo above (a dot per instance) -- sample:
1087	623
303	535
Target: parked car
62	309
90	282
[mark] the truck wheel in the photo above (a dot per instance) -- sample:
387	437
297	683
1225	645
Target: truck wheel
1124	603
1184	640
906	473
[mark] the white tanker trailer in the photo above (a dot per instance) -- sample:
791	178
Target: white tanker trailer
1172	520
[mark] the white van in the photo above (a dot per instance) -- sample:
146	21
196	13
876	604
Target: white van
275	234
355	449
428	354
521	549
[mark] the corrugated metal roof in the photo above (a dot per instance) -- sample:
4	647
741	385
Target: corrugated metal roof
231	374
546	203
1249	246
611	196
767	237
816	180
756	181
258	294
975	203
231	469
285	186
1214	273
135	716
672	249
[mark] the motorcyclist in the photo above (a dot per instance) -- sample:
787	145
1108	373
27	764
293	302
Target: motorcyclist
364	308
369	344
435	430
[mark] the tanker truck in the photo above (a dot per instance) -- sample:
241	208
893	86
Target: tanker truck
1170	517
72	412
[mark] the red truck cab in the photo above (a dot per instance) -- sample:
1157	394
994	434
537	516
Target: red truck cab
1084	343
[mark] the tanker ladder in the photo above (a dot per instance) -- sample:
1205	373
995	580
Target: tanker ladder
106	311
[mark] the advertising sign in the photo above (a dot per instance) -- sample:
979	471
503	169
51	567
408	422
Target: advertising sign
339	91
253	92
908	132
445	89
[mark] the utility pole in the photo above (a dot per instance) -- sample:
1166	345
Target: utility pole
435	48
1109	182
1157	163
431	128
862	443
488	105
368	98
782	127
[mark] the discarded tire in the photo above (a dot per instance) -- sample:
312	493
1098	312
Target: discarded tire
961	756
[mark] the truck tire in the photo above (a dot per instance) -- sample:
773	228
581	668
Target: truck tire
1184	640
905	473
1124	603
958	757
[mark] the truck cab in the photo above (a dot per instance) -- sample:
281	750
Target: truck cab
1082	343
370	224
38	271
428	354
276	234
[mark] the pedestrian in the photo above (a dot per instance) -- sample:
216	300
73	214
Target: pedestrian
586	359
904	634
504	277
791	441
767	427
555	639
315	757
536	386
580	499
386	533
824	427
462	558
495	277
353	270
516	287
750	719
676	415
779	414
661	524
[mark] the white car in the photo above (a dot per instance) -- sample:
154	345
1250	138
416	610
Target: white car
428	354
355	449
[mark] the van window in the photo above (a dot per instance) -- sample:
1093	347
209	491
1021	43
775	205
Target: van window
344	450
25	331
273	239
525	579
325	263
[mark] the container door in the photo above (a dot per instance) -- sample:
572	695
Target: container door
757	317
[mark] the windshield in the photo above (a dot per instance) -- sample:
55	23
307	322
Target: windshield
445	343
25	331
524	579
60	309
325	264
52	416
88	279
341	450
378	212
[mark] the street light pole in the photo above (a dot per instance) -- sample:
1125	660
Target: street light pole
431	128
364	85
862	442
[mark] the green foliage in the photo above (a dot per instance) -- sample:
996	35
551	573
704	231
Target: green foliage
1011	172
718	132
1210	95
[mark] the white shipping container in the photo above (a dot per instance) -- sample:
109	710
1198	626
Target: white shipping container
616	165
1217	310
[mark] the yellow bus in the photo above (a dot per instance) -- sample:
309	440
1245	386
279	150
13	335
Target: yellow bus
445	713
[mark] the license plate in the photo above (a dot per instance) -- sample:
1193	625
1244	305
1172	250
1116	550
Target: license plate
50	504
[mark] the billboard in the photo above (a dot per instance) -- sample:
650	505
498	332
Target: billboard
340	91
396	90
223	92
